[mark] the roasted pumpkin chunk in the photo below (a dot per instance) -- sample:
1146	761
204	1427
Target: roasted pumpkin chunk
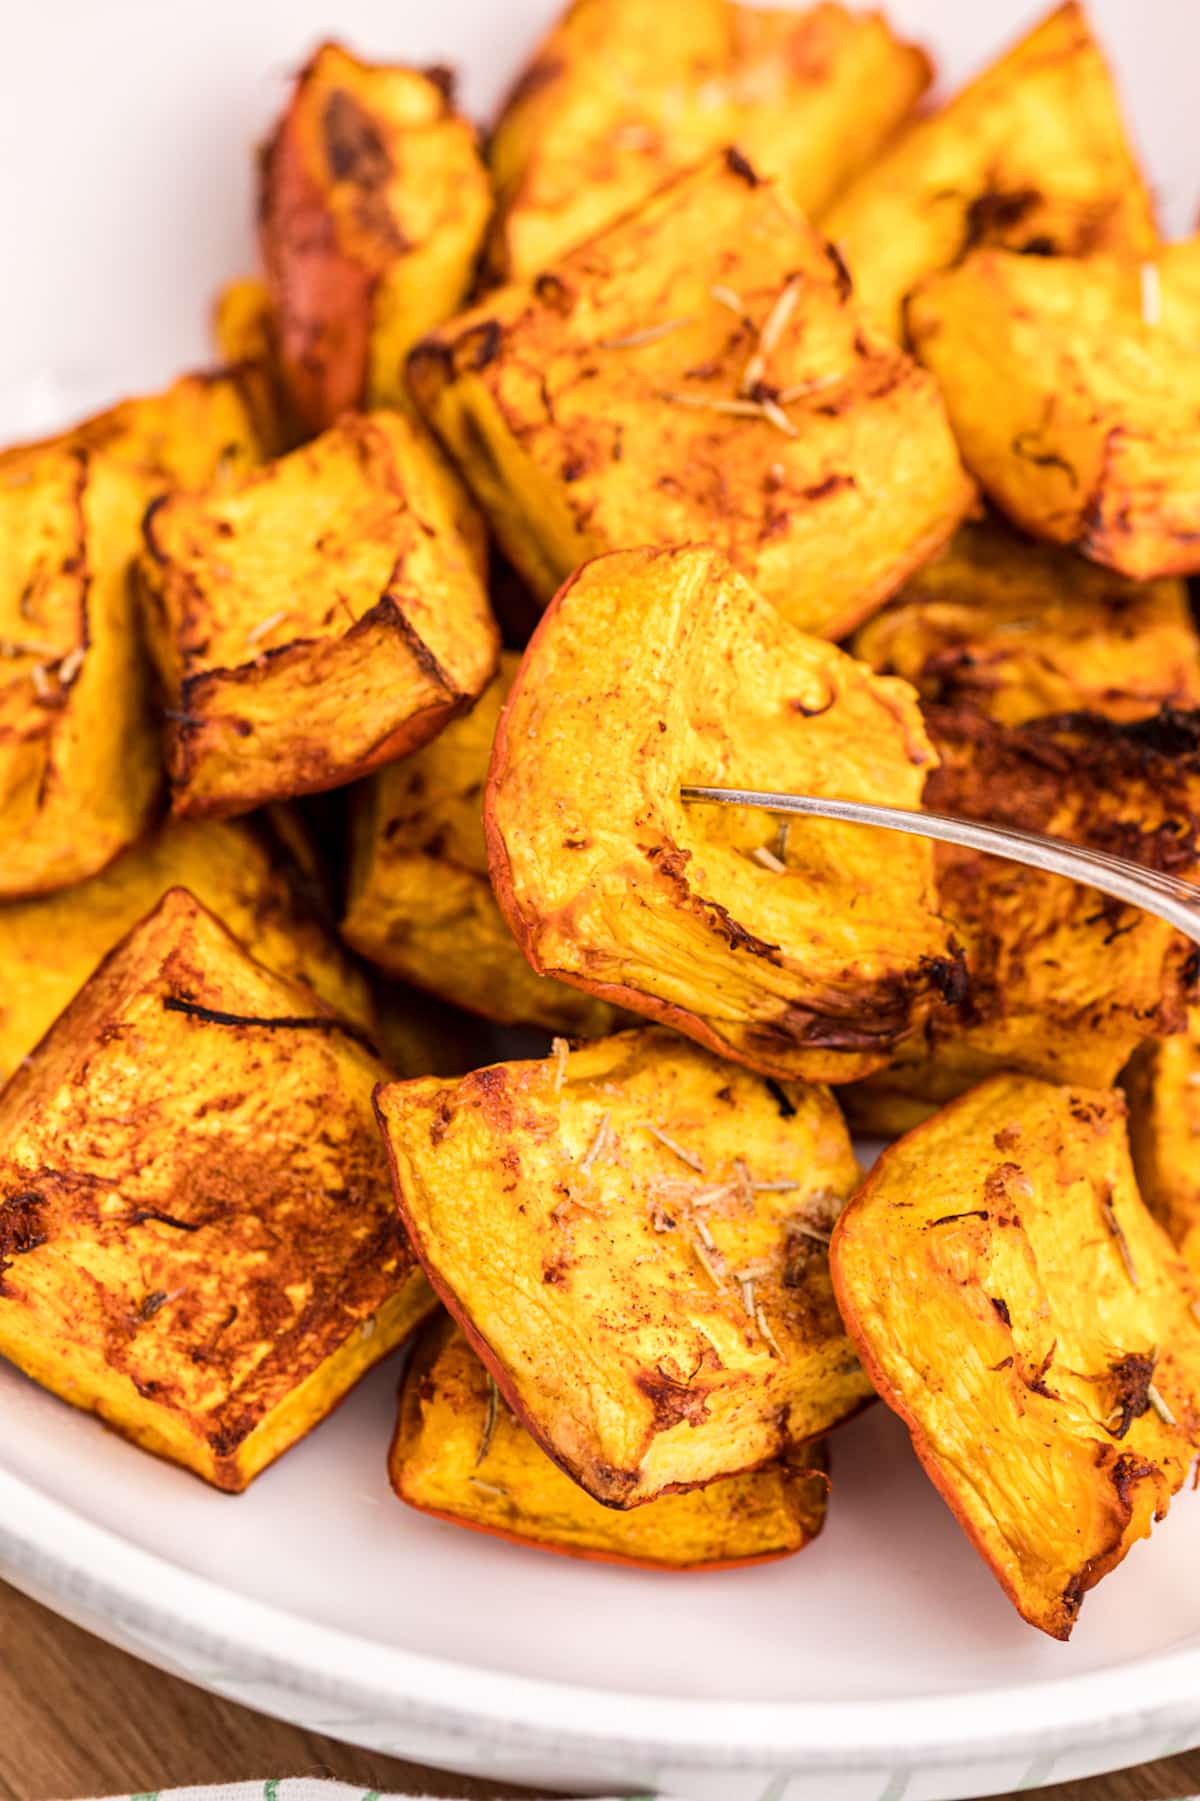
651	1292
1162	1083
1021	1311
209	426
699	372
807	953
619	96
79	762
49	946
1063	982
373	206
196	1231
79	768
460	1453
1019	629
420	903
243	325
1073	393
1032	154
323	616
243	329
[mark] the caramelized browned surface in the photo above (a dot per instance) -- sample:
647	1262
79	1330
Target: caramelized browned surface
320	618
808	953
197	1235
460	1452
372	209
699	372
633	1236
1019	1308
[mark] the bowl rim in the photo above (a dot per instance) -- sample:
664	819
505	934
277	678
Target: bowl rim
224	1638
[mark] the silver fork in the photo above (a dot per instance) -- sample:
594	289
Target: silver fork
1168	897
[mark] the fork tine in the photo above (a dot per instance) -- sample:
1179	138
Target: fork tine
1166	896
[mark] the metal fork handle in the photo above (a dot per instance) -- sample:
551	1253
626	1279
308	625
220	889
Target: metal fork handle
1166	896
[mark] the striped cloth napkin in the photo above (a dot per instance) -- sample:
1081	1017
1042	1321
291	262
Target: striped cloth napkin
307	1788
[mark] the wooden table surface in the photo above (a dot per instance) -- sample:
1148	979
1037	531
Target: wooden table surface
78	1718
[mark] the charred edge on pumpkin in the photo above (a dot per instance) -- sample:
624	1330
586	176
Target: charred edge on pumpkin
295	1022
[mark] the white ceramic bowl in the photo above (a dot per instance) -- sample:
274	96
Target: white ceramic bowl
884	1662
